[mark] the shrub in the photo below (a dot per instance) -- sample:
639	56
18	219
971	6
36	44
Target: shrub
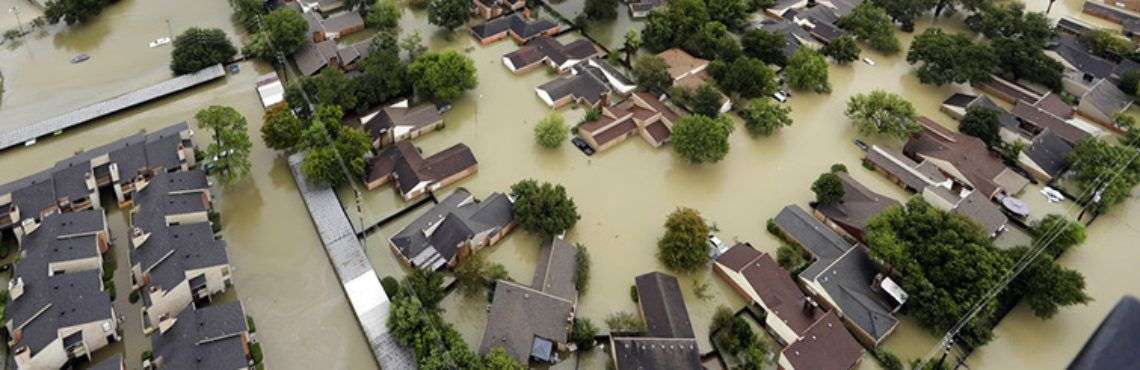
582	273
633	293
551	131
625	322
582	333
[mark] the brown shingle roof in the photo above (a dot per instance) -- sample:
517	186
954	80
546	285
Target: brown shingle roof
825	346
1042	119
968	154
774	285
858	205
681	62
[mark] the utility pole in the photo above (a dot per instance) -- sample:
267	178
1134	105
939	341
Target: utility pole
1050	7
19	24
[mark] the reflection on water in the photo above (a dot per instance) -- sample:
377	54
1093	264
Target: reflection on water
283	277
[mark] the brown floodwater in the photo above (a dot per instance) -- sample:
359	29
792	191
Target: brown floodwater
283	276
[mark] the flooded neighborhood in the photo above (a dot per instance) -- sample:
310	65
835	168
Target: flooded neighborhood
305	313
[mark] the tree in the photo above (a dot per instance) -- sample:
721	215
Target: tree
684	247
747	77
1045	286
905	11
284	31
625	322
731	13
247	11
385	15
631	44
229	151
427	287
474	274
543	209
410	324
442	76
1107	43
1060	232
762	117
675	23
449	14
382	75
413	45
551	131
333	148
828	189
764	45
982	122
1107	168
582	333
1021	60
498	358
706	101
1009	20
651	72
330	87
582	269
601	10
948	263
713	41
843	49
701	139
74	11
807	70
872	25
882	113
198	48
282	130
948	58
1129	81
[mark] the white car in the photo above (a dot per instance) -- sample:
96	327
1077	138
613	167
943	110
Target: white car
869	61
780	97
1052	195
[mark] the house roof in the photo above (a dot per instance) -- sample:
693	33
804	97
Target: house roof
967	154
1077	54
63	237
1073	26
1113	345
663	306
681	62
913	175
1036	116
211	337
414	118
343	22
858	205
1053	104
411	168
959	100
514	23
546	48
520	316
313	56
826	31
586	83
114	362
978	208
777	291
459	217
1049	152
809	233
825	346
1106	98
638	353
847	281
556	269
51	303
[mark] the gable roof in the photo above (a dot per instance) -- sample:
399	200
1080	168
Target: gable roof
681	62
810	234
825	346
411	168
1106	98
312	57
847	281
414	118
968	155
640	353
520	315
1113	345
456	218
1050	152
586	83
546	48
663	306
858	205
777	291
1036	116
211	337
514	23
1077	54
556	269
915	176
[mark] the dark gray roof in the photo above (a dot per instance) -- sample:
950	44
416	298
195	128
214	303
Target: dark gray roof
848	280
556	269
411	168
114	362
130	157
171	250
982	211
460	217
858	205
587	83
639	353
36	195
826	31
1077	54
1113	345
162	146
959	100
1106	98
50	303
1073	26
663	306
544	47
520	316
1035	116
70	179
911	174
809	233
204	338
515	23
792	32
1049	152
314	56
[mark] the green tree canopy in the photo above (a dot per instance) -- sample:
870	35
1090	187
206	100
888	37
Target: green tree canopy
498	358
701	139
745	76
950	58
1107	43
675	25
282	130
333	148
330	87
763	117
384	14
1061	233
828	189
442	76
1106	169
475	274
247	11
983	123
449	14
1129	81
543	209
843	49
551	131
198	48
383	76
229	151
882	113
905	11
283	31
807	70
582	333
1046	286
684	247
704	100
872	25
652	73
731	13
764	45
1022	60
601	9
1009	20
74	11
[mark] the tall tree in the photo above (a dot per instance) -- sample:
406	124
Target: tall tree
229	151
282	130
383	76
828	189
684	247
413	45
1023	60
283	31
1107	170
330	87
764	45
731	13
983	123
442	76
385	15
543	209
705	100
247	11
498	358
599	10
701	139
198	48
843	49
882	113
747	77
807	70
449	14
872	25
74	11
1059	232
652	73
674	24
551	131
1107	43
950	58
1045	286
763	116
905	11
630	45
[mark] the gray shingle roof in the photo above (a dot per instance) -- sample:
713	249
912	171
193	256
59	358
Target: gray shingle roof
204	338
556	269
114	362
1077	54
515	23
587	83
1049	152
50	303
809	233
459	217
416	117
1113	345
639	353
663	306
858	205
1106	98
847	280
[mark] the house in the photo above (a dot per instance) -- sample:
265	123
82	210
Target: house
858	205
57	311
668	342
642	113
843	277
547	50
175	258
400	122
783	6
964	158
795	36
334	27
455	227
1102	103
1073	27
1005	90
935	187
415	175
641	8
315	56
813	337
619	82
1114	342
493	8
586	85
689	72
532	323
516	26
271	91
1082	68
1108	12
214	337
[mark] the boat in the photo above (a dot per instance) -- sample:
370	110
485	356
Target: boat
159	42
80	58
869	61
